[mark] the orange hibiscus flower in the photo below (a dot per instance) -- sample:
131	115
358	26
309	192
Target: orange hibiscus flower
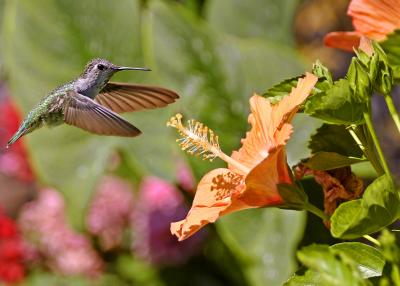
253	172
374	19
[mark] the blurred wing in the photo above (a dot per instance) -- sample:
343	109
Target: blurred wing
123	97
83	112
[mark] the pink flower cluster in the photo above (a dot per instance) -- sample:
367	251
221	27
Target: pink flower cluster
110	211
158	204
65	251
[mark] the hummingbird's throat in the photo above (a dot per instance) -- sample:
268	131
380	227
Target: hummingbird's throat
91	87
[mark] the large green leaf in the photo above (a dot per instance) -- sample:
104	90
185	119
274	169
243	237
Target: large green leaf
47	44
347	263
41	278
271	20
329	160
378	208
2	4
370	261
264	240
329	153
137	272
326	139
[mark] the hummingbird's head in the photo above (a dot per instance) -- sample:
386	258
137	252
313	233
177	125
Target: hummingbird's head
103	68
97	73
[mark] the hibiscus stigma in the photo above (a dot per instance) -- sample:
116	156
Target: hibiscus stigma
199	140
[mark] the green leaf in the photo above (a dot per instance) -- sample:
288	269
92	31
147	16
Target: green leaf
264	240
347	263
330	160
270	20
293	196
326	139
334	267
370	261
137	272
40	278
336	105
392	49
378	208
280	90
390	246
2	4
383	72
328	152
322	71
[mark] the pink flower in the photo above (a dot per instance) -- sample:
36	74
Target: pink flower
43	223
185	177
158	204
110	211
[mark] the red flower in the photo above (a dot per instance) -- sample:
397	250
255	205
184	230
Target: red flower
11	251
14	161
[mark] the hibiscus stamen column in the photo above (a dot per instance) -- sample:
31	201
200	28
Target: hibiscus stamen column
198	139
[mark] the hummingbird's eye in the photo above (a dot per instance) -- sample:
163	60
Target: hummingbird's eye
101	67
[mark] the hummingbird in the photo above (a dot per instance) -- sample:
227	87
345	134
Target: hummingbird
92	103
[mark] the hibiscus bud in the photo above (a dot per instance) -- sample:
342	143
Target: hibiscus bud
322	71
359	80
384	73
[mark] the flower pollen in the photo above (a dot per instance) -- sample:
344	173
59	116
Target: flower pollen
197	139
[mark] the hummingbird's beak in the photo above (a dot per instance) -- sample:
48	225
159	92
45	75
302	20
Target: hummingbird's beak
131	69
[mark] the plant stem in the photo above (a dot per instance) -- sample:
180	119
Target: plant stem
371	239
371	129
392	110
319	213
359	136
355	137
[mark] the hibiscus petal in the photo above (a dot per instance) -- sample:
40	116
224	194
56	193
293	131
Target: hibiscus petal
342	40
375	19
366	46
270	127
261	182
215	196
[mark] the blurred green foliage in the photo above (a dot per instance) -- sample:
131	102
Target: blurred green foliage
214	53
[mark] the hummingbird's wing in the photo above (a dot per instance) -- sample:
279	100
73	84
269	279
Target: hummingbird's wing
124	97
83	112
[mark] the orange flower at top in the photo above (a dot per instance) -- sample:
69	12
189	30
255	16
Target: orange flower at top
374	19
254	171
